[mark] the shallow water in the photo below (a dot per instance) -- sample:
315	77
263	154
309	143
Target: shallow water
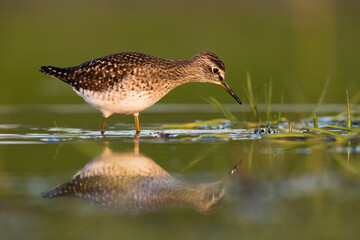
170	183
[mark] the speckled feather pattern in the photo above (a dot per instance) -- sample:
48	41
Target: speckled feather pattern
129	82
139	71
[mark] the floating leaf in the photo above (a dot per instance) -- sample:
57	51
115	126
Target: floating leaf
215	123
209	137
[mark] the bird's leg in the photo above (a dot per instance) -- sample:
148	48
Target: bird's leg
137	125
137	134
103	126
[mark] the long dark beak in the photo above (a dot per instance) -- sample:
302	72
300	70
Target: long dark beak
229	90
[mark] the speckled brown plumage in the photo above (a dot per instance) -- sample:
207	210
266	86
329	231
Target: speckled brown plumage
103	73
128	83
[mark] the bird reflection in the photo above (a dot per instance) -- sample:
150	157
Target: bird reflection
134	183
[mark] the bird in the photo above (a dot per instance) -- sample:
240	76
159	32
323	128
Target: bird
132	183
130	82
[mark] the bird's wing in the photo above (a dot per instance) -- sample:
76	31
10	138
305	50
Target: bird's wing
101	73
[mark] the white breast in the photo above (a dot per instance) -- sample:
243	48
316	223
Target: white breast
110	102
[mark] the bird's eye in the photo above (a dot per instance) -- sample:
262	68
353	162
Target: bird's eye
215	70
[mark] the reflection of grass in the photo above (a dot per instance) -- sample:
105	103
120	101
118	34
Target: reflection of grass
200	156
347	165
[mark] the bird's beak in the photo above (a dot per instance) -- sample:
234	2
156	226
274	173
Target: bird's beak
229	90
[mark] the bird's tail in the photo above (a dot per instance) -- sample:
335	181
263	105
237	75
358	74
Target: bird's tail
63	74
59	191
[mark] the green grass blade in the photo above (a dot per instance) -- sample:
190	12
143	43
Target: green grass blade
342	128
355	98
272	123
348	109
268	95
250	95
322	95
222	109
315	121
323	131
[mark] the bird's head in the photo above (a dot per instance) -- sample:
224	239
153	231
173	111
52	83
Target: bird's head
213	71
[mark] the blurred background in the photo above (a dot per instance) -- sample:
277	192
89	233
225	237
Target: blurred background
297	44
292	188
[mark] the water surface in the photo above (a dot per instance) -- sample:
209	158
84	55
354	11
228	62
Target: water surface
169	183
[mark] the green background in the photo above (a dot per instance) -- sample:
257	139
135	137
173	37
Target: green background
297	44
283	190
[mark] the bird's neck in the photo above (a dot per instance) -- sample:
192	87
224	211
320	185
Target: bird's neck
187	71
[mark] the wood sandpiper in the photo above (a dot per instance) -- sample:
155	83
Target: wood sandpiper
130	82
